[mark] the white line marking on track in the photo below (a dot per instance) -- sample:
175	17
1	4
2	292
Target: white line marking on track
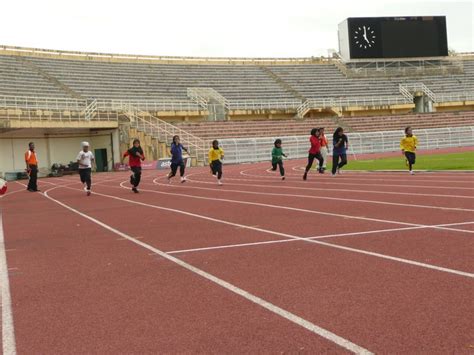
318	197
289	236
334	182
342	342
401	176
122	239
283	186
8	330
327	236
304	210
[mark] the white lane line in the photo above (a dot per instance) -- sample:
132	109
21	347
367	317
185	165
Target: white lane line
8	330
316	197
336	339
393	173
289	236
282	186
401	176
334	182
351	175
347	179
331	214
94	182
327	236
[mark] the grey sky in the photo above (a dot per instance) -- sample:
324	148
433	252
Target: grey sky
252	28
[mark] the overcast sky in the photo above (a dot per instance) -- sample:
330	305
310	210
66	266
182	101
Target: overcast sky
240	28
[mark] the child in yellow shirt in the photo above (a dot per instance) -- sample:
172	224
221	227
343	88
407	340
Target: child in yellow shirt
408	146
215	156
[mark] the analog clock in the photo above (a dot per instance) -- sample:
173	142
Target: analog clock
364	37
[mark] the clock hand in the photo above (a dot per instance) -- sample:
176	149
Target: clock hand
365	36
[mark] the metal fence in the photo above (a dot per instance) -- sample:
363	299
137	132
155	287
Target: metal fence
151	105
270	104
41	103
169	104
245	150
452	97
358	101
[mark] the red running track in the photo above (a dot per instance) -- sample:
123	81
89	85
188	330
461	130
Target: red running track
363	262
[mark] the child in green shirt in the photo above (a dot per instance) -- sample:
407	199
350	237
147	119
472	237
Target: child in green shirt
277	158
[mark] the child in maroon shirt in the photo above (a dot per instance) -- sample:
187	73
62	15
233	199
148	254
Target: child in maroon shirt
314	152
135	156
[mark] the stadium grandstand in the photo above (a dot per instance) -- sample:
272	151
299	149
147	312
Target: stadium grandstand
206	203
53	95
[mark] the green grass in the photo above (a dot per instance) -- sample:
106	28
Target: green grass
452	161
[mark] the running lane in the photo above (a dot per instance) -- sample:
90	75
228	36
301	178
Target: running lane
78	288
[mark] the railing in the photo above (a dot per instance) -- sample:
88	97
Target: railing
341	66
350	101
164	131
303	108
103	106
77	55
403	67
41	103
203	95
53	109
453	97
151	105
91	110
244	150
407	90
195	96
55	103
264	104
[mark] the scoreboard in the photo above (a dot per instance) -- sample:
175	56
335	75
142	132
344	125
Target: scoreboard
393	37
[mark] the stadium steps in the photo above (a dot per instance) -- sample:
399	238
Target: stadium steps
149	81
50	78
163	131
283	83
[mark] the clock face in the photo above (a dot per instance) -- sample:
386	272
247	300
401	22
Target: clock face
364	37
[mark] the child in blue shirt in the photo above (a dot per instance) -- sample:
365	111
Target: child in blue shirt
177	159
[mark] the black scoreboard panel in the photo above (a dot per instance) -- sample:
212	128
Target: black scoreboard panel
393	37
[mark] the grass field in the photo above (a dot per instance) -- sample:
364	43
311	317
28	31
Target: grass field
452	161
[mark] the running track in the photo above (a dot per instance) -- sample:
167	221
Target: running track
362	262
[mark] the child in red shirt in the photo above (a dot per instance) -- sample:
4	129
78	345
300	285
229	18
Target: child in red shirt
314	152
135	156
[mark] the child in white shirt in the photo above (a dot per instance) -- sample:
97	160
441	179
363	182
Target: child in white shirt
85	159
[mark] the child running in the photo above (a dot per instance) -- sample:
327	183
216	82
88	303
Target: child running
408	146
314	152
340	145
216	154
277	158
177	159
85	159
135	157
324	147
